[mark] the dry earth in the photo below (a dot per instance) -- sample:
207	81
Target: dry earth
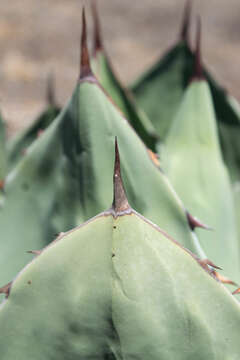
41	36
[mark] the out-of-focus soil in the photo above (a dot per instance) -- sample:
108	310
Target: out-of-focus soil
41	36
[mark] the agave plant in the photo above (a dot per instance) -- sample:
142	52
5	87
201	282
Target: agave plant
117	287
211	200
62	180
123	285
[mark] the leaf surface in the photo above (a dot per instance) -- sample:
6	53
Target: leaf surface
193	162
117	287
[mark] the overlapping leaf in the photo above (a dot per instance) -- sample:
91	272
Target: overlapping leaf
64	178
121	96
160	90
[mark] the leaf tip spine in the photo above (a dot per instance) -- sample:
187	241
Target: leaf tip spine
198	72
97	34
85	67
120	202
186	21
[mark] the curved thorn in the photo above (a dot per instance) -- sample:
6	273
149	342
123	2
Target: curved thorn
194	222
205	262
236	291
184	32
223	279
154	157
6	289
85	68
97	38
34	252
198	69
120	202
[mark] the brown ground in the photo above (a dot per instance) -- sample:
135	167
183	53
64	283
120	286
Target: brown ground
39	36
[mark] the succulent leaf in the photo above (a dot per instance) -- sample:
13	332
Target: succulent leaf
117	287
193	162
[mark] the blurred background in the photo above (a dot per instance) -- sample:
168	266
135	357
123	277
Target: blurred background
37	37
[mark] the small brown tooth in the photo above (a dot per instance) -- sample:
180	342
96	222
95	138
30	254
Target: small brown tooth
2	183
6	289
210	263
153	157
223	279
205	262
35	252
236	291
194	222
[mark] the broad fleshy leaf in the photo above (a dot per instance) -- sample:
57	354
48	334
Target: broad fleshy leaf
118	287
193	162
